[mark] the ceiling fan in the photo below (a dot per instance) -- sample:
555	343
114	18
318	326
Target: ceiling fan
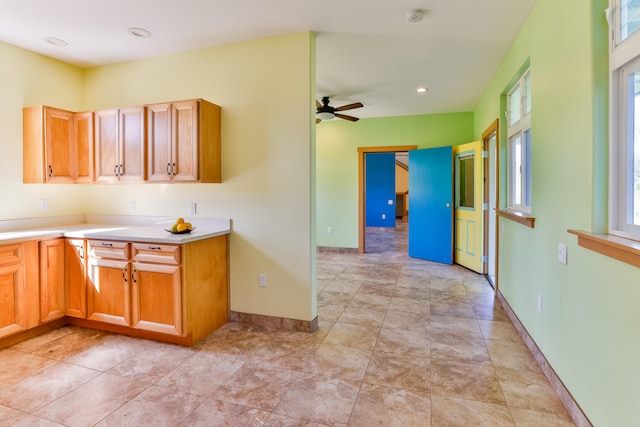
324	111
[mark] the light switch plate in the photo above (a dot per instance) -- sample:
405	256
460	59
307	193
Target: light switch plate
562	253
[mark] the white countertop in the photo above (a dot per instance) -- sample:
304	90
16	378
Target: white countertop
130	232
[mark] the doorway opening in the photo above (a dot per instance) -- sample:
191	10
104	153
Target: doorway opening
362	151
491	199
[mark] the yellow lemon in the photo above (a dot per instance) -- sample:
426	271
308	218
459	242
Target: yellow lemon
189	226
181	227
180	221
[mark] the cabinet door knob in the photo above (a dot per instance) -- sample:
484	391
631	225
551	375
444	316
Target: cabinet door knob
155	248
173	169
115	170
168	166
107	244
50	171
121	173
133	276
124	274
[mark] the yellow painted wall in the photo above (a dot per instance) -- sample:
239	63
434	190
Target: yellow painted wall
28	79
265	88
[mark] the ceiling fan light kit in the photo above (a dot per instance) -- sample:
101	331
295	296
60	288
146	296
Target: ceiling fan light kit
324	111
325	115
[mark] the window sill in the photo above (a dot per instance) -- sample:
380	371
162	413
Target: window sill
625	250
517	216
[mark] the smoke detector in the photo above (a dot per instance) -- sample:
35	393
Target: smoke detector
415	15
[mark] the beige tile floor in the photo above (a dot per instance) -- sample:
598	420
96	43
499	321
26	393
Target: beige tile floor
402	342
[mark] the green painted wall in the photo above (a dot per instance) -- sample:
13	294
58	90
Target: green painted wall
337	162
587	329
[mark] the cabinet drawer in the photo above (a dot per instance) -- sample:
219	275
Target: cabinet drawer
108	249
156	253
11	254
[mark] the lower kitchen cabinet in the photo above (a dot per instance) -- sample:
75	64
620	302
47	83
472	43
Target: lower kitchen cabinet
177	293
109	283
75	278
13	298
173	293
156	282
52	288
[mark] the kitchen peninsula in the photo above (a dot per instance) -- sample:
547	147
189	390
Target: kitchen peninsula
121	274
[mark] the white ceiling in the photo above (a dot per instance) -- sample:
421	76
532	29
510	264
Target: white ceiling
367	51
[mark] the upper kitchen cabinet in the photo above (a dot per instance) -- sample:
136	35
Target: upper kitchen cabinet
120	145
57	145
83	147
184	141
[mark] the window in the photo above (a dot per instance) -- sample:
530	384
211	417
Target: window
465	180
628	18
624	183
519	144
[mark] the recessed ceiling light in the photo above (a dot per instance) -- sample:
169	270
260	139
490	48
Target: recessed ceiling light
55	41
415	15
139	32
422	89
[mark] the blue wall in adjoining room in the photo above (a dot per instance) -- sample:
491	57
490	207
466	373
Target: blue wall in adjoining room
380	178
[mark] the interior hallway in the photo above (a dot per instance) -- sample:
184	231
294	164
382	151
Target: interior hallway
402	342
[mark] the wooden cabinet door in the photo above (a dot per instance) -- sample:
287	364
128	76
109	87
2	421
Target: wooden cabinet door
209	145
157	297
132	144
159	142
13	309
58	135
106	146
185	150
75	278
51	280
83	147
109	291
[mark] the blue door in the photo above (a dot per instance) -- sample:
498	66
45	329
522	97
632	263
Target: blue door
380	189
430	204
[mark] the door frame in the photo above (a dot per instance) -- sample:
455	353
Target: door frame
486	136
361	184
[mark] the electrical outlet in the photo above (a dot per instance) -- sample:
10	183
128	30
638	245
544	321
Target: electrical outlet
390	202
540	303
384	216
44	204
329	230
132	207
262	279
192	208
562	253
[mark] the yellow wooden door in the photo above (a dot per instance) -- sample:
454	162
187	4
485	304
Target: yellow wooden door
469	217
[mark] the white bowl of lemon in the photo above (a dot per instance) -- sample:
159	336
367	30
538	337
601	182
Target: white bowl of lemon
181	227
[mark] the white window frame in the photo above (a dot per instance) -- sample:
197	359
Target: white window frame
624	61
519	162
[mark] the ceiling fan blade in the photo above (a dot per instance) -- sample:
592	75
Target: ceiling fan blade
350	106
350	118
318	121
318	104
